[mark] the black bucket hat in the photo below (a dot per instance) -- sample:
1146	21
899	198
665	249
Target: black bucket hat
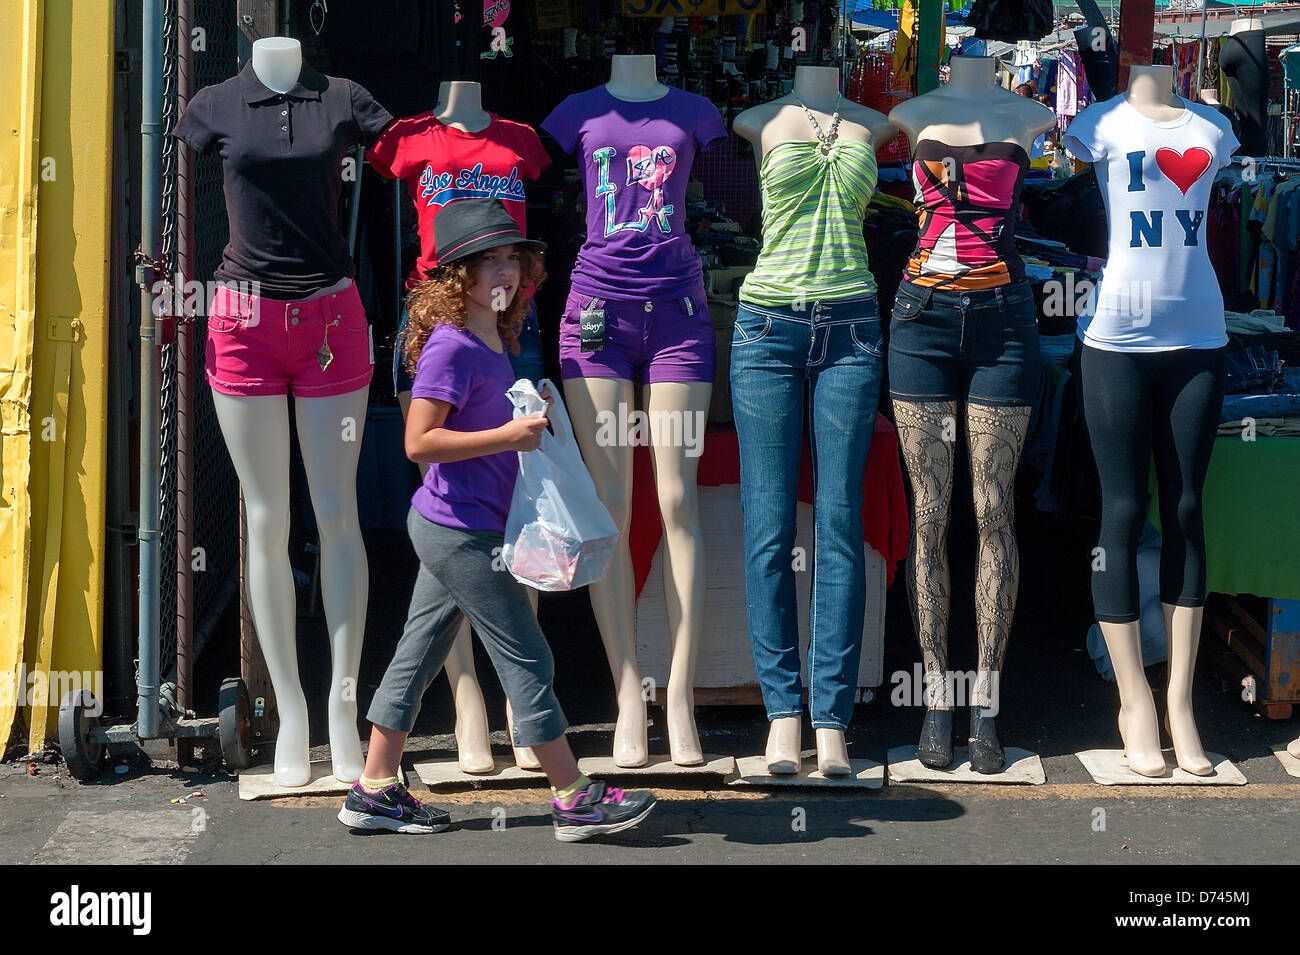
467	226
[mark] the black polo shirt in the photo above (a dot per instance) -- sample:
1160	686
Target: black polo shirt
282	164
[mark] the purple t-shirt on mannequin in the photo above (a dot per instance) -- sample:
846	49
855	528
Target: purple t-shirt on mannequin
456	367
635	159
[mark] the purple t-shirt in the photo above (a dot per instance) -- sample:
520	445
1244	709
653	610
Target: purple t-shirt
455	366
635	159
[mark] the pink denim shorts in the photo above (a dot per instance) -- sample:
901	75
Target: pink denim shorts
261	346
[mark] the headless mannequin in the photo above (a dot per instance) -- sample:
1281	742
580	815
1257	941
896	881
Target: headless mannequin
764	126
782	119
460	105
1151	92
256	430
1243	60
995	434
613	599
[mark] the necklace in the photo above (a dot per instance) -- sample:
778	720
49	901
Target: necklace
827	139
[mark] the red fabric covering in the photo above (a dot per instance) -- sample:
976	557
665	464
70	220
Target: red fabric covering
884	510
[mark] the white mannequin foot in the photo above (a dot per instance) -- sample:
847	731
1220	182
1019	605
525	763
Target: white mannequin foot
683	737
345	744
473	745
1142	744
631	733
292	761
525	758
783	756
832	753
1187	743
1293	747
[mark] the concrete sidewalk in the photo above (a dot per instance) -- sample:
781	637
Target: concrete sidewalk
50	818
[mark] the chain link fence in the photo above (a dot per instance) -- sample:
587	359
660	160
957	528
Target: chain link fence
214	491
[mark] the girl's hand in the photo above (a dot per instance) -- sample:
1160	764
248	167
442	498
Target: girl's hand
548	398
525	433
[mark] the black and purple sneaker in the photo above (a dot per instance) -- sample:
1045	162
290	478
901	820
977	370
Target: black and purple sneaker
391	808
600	810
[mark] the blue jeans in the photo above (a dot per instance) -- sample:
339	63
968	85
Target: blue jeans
835	348
527	364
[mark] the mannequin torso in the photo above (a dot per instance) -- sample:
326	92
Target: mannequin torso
1002	115
1151	93
1243	60
784	119
632	79
277	61
460	105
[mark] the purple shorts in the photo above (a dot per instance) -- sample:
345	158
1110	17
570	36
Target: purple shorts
662	339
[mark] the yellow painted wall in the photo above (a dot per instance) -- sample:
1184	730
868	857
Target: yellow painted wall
56	80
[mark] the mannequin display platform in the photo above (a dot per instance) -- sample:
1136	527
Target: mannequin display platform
971	141
1022	767
817	169
287	246
1153	381
431	152
637	311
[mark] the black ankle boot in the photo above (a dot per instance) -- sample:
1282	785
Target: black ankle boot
986	755
935	747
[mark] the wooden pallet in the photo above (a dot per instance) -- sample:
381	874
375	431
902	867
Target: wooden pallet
1265	656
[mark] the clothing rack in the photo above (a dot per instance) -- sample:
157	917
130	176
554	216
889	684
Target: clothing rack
1267	162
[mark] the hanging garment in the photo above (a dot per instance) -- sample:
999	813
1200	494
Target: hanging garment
1067	91
1099	53
905	47
1185	59
1010	20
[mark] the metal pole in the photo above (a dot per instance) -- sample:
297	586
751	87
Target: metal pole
1200	60
150	173
184	379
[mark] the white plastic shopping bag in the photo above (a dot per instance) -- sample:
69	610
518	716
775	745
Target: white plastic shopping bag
558	534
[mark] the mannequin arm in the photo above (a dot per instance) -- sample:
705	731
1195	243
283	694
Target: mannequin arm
428	442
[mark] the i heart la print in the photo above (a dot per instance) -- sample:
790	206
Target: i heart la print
650	167
1183	169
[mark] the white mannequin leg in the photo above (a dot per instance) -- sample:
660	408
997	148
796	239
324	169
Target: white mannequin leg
473	743
525	758
679	508
257	434
1183	631
1137	709
329	433
613	598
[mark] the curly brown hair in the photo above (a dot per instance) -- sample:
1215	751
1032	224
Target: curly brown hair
440	300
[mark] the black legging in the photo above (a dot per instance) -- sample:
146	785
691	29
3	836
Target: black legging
1137	403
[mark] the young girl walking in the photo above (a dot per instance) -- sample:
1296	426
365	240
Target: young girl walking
462	322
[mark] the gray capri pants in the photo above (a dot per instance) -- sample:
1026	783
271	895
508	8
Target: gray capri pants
457	578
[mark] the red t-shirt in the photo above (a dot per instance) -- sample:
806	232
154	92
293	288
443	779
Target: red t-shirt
441	164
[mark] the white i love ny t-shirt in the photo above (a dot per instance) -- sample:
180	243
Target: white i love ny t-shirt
1158	290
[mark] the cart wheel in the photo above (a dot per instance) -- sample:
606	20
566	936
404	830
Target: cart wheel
235	726
78	717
